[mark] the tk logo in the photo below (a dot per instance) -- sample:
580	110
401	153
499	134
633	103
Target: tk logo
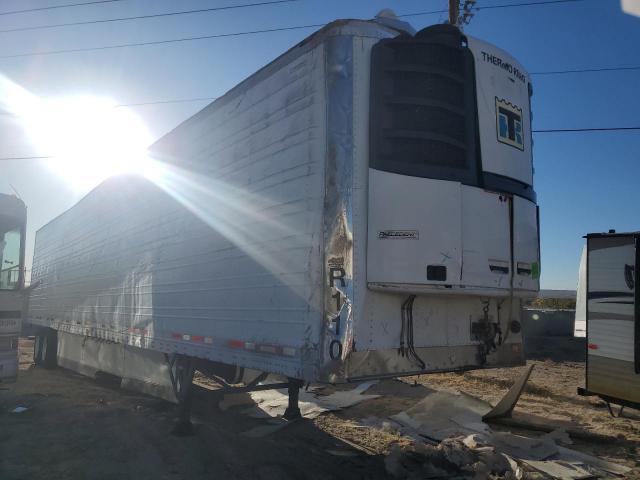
509	124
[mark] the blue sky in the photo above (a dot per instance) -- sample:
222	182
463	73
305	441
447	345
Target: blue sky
585	181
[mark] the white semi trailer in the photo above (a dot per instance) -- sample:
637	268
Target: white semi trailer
361	207
13	218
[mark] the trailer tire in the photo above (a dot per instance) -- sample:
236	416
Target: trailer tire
182	376
45	348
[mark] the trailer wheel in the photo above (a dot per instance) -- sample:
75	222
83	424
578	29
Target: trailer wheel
37	347
181	371
45	349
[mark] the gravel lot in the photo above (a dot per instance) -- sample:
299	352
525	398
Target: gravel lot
76	428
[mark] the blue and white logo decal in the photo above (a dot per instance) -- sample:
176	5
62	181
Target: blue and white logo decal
509	124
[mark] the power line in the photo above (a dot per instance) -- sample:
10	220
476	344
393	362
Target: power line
27	158
553	130
527	4
160	42
196	99
160	102
600	129
144	17
489	7
587	70
251	32
53	7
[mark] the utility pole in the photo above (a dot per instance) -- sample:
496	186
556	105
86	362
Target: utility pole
468	8
454	12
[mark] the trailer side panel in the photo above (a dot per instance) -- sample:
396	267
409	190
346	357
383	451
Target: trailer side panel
219	254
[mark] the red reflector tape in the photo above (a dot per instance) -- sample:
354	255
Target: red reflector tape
177	336
592	346
197	338
236	344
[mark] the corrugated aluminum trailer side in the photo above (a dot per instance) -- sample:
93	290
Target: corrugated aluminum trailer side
221	257
613	332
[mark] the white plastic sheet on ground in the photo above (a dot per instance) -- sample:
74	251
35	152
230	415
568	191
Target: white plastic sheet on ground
271	404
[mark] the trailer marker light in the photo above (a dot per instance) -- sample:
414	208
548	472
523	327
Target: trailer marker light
592	346
288	351
268	349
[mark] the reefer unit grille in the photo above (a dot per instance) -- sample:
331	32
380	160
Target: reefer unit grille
423	115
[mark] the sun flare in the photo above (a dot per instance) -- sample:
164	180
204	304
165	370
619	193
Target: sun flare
89	138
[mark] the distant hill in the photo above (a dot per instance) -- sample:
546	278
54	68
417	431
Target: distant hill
556	299
560	294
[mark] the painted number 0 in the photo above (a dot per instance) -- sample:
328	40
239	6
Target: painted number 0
335	349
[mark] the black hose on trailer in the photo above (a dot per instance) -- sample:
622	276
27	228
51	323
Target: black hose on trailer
403	316
412	351
407	347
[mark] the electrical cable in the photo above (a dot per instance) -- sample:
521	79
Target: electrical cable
251	32
407	326
161	42
558	130
588	70
54	7
403	308
599	129
144	17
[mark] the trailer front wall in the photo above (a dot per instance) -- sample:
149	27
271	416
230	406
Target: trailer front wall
611	264
442	321
218	253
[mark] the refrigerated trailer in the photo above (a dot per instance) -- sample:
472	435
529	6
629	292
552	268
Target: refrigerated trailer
13	218
612	318
361	207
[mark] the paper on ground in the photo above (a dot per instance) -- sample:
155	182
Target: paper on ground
441	415
273	403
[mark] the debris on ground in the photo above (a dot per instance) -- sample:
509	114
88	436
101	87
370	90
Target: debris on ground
273	403
451	458
465	445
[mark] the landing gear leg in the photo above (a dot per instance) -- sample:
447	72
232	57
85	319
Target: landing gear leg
182	378
293	410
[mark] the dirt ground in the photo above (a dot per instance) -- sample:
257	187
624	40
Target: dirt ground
77	428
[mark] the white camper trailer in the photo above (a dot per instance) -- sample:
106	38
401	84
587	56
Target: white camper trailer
13	215
612	328
361	207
